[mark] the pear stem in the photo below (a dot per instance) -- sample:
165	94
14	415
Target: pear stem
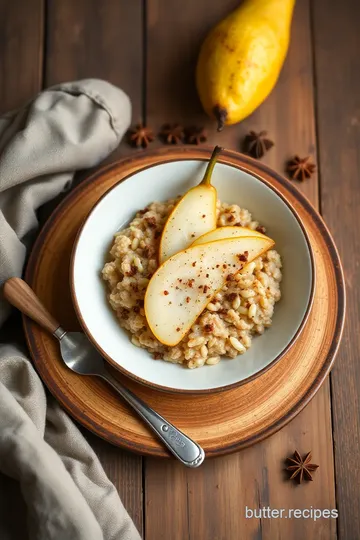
220	114
206	181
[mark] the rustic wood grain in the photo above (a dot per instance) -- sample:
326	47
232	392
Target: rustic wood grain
92	39
174	491
18	293
21	51
209	503
337	42
174	35
288	115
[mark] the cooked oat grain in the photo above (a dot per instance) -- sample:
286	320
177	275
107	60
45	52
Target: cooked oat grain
243	308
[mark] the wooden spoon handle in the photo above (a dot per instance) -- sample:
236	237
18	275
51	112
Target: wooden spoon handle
19	294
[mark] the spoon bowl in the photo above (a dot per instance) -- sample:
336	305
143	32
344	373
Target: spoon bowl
80	356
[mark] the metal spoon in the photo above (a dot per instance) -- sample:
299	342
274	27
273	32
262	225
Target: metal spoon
80	356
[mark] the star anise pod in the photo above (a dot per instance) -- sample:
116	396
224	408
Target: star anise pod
172	133
141	136
256	144
301	468
196	135
300	168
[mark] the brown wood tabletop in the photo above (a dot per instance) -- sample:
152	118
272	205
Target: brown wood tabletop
149	48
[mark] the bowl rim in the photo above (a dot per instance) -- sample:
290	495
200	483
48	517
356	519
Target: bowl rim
241	167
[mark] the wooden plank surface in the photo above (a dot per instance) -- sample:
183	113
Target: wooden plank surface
21	51
210	502
88	38
337	42
21	54
92	39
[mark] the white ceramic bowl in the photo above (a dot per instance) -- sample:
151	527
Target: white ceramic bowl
160	182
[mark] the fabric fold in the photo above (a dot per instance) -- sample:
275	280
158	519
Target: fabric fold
65	491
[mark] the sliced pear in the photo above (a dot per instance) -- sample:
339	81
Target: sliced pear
226	232
182	287
193	216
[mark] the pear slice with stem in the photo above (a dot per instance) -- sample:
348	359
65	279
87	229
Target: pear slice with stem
182	287
194	215
226	232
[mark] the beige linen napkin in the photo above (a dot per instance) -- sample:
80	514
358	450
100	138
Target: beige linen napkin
52	486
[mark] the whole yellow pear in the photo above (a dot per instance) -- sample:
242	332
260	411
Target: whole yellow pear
241	59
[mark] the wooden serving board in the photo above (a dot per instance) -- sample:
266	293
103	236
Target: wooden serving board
220	422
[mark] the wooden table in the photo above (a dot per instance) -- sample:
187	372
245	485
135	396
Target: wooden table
149	48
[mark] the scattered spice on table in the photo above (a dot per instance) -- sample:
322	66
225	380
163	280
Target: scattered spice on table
196	135
300	168
172	133
301	468
257	144
141	136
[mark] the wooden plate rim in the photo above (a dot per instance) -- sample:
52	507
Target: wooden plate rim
116	439
162	388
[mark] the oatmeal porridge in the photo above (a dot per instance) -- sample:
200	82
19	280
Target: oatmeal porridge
240	310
